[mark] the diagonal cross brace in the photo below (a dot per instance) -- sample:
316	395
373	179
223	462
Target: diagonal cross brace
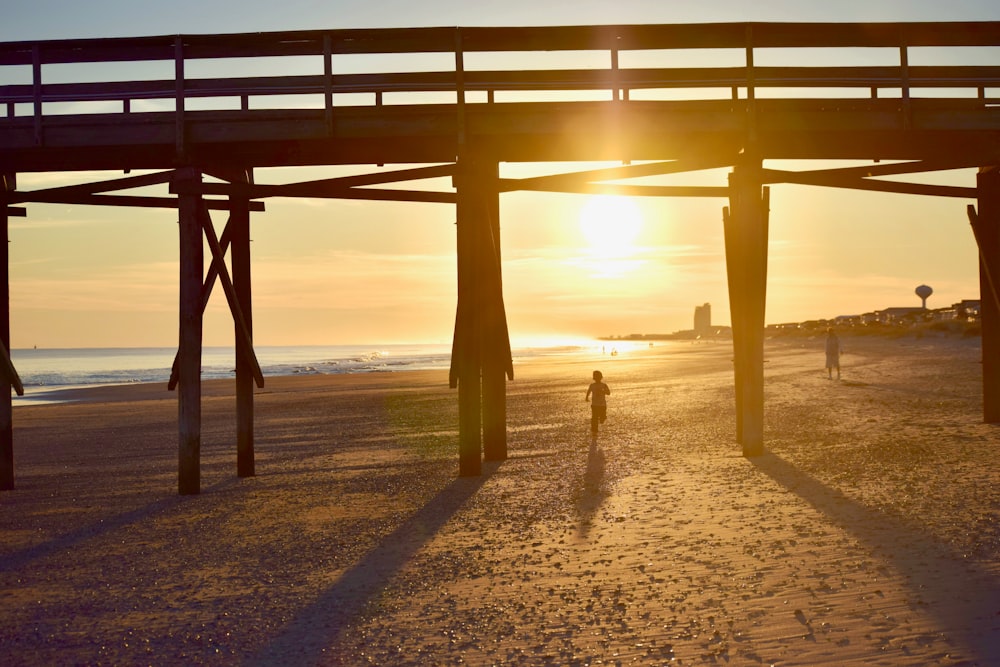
495	286
460	343
85	189
218	269
489	289
853	179
573	181
8	370
987	268
218	260
206	293
8	182
341	187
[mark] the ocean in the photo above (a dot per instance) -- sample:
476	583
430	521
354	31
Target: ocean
44	371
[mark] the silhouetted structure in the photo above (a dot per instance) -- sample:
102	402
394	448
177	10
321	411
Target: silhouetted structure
702	319
653	120
923	291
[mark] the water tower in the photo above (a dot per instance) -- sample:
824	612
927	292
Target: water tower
923	291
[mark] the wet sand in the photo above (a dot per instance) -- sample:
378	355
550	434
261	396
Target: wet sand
868	534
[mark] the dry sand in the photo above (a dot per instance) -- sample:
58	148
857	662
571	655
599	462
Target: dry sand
868	534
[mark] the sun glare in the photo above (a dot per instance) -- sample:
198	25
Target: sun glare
610	225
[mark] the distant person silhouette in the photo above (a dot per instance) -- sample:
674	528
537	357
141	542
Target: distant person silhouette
599	404
832	353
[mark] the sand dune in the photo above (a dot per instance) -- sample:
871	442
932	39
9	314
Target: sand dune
868	534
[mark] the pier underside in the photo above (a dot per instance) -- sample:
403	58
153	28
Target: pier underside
467	135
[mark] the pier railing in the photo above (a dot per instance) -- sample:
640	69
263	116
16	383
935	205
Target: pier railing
462	66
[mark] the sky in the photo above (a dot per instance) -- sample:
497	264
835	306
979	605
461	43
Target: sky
352	272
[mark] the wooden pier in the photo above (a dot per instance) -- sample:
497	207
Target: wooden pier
461	120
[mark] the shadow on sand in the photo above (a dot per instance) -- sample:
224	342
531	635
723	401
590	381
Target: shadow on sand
592	492
68	541
961	595
307	637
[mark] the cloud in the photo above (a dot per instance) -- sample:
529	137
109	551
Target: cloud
131	288
351	279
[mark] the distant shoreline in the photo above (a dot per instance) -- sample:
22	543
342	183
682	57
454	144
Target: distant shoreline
918	330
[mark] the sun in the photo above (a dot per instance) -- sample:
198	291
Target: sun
610	225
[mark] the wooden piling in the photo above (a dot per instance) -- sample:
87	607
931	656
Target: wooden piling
481	356
986	226
734	275
746	246
240	259
497	366
190	337
467	345
7	184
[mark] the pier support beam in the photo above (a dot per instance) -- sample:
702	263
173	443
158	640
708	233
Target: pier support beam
236	286
986	227
466	352
239	223
746	222
190	334
7	184
481	357
497	363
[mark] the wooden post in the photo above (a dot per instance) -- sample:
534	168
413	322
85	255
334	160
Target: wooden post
7	183
747	245
986	226
734	275
481	356
467	346
239	224
240	257
497	365
190	336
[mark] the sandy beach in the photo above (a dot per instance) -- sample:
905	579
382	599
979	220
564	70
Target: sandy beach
868	534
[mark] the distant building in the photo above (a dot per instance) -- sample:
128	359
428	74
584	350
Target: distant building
967	309
703	319
898	314
847	320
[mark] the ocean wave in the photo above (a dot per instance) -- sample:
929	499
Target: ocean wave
42	370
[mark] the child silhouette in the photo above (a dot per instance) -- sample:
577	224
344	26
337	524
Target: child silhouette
599	404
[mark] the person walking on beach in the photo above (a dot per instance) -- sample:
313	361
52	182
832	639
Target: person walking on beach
599	403
832	353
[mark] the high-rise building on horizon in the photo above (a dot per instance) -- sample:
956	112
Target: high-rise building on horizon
703	318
